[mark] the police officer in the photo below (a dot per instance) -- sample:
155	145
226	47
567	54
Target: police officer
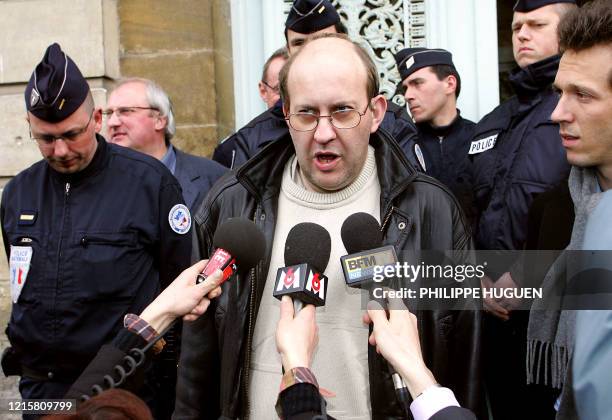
431	86
305	19
92	232
517	154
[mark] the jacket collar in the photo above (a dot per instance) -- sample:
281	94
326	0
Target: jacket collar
534	78
262	174
186	175
443	130
97	164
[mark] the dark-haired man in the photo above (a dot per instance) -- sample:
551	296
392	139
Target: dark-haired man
584	115
431	86
305	19
91	232
335	161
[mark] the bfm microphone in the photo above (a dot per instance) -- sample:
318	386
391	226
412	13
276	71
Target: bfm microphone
307	251
237	242
362	238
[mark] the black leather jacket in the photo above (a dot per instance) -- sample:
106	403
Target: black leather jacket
417	213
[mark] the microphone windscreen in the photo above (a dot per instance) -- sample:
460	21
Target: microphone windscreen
360	232
308	243
243	240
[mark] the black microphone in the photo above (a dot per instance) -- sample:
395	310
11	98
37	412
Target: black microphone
307	252
362	238
237	242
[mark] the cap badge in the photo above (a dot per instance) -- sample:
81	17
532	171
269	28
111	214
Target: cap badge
34	97
410	62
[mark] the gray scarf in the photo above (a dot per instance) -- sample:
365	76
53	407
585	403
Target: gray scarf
550	333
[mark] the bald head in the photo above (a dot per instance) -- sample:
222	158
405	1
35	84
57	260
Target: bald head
335	53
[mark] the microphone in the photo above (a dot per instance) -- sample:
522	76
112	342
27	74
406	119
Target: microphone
362	237
307	252
237	242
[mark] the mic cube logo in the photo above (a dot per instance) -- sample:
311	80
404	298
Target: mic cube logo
289	279
358	263
316	284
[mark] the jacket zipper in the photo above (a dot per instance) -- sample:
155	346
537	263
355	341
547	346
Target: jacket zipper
59	257
386	218
247	359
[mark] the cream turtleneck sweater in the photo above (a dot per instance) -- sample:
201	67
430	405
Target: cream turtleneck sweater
341	360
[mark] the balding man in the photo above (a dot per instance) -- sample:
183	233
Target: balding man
335	161
306	19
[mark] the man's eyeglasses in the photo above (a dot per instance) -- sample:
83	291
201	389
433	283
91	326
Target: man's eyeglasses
275	89
342	119
126	111
69	136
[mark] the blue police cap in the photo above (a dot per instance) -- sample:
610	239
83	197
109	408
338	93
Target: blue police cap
56	88
308	16
529	5
410	60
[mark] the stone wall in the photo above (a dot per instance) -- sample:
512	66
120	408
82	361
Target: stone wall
185	45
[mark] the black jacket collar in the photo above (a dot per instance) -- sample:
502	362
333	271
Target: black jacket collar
534	78
97	164
262	174
443	130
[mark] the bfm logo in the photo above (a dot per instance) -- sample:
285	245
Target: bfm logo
316	284
290	279
361	262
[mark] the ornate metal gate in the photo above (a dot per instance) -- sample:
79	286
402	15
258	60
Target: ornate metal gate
383	27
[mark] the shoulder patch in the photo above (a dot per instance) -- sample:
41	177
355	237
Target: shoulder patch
482	145
180	219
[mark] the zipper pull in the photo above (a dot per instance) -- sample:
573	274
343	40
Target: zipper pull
67	188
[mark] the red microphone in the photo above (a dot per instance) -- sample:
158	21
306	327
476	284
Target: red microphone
239	243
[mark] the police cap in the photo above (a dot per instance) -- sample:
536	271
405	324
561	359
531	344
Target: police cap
308	16
56	88
410	60
529	5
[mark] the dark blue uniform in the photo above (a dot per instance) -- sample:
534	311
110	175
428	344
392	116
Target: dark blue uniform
522	157
445	153
102	247
526	157
271	125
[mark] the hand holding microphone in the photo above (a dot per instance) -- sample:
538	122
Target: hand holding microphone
362	238
183	297
397	339
297	334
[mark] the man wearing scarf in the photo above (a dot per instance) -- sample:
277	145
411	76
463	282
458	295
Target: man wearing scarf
557	334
